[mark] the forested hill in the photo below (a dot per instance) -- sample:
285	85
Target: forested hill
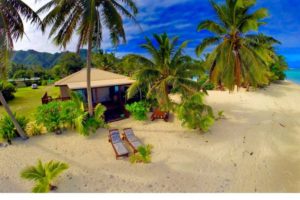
33	58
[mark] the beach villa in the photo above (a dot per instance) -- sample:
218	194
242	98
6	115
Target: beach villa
108	88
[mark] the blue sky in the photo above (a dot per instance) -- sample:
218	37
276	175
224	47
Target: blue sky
180	18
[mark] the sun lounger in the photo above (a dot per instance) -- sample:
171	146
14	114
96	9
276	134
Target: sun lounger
157	114
132	140
117	143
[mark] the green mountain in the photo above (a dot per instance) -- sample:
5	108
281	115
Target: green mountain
46	60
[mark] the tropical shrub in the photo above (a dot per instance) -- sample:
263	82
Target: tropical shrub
143	155
82	121
34	129
8	90
43	175
195	114
69	112
50	116
138	110
7	127
85	125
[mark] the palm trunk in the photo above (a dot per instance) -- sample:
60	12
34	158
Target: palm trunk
238	69
88	66
12	117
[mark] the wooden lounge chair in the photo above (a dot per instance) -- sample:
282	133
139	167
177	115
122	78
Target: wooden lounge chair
131	139
157	114
118	146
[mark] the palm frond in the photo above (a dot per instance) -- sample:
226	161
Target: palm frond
206	43
212	27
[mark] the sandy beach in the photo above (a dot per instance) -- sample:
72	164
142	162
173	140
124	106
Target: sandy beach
255	149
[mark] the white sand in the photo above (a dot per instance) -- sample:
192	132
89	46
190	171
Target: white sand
265	123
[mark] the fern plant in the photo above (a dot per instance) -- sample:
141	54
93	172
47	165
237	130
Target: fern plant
43	175
143	155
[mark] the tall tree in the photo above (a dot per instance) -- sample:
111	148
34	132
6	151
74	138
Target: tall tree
12	29
167	68
239	57
87	18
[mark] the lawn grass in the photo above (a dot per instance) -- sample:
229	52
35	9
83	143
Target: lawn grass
27	100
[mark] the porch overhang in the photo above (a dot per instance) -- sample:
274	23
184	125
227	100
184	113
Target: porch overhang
100	84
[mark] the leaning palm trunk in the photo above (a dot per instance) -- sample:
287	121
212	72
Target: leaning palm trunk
10	114
88	66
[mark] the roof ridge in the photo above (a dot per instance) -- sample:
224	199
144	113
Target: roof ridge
103	74
70	76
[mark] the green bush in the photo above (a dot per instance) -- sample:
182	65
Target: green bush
86	125
70	114
195	114
83	123
138	110
7	127
8	90
143	155
50	116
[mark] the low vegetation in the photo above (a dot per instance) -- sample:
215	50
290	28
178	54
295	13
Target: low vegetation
8	90
83	123
7	127
143	155
34	129
50	116
57	116
43	175
138	110
195	114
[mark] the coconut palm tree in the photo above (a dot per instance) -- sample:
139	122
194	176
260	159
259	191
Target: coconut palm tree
12	29
43	175
87	18
167	68
238	57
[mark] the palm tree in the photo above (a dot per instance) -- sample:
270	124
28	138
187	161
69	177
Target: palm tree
239	57
87	18
43	175
12	29
167	68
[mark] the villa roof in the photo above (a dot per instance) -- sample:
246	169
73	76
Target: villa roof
99	78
